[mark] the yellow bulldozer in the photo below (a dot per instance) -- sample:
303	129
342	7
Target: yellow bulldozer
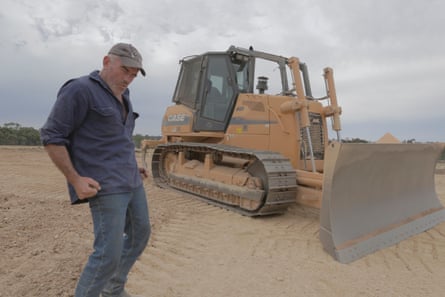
245	133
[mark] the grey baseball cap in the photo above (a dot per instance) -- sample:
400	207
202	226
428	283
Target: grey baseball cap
129	55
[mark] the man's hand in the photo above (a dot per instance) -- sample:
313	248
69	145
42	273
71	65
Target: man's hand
86	187
143	172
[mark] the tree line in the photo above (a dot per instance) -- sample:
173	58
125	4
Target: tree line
15	134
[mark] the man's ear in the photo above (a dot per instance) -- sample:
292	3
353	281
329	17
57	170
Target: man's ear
106	61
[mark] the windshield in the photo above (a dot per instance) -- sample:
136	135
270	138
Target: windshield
187	87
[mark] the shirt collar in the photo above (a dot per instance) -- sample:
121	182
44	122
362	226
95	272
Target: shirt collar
96	77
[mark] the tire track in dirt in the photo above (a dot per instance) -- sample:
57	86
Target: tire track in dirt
196	249
298	231
414	254
180	237
195	235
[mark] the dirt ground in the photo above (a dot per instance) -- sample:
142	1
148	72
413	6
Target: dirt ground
196	250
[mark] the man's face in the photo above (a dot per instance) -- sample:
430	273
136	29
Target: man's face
119	76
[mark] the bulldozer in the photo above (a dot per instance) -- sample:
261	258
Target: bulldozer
245	133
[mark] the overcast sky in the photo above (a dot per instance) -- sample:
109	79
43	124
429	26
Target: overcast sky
388	56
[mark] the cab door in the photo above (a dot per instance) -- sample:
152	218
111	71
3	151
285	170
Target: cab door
218	94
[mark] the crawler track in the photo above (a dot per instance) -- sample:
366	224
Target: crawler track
277	188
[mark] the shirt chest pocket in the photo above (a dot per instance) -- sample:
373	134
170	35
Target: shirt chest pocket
106	120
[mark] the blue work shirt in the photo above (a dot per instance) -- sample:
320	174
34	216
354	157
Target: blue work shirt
89	120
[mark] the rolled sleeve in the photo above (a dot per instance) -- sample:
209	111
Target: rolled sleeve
66	115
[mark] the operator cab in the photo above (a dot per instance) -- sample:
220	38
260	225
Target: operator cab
209	84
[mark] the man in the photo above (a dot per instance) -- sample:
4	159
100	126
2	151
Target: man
88	136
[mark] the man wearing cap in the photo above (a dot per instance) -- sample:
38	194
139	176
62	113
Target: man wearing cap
88	136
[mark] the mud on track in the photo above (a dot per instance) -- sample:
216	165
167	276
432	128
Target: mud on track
196	249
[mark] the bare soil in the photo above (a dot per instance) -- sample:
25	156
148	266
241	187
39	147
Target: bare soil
196	250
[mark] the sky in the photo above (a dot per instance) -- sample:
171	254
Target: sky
388	56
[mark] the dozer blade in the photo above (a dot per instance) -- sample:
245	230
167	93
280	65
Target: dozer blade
376	195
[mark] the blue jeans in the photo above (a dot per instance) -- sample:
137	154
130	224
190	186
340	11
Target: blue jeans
121	232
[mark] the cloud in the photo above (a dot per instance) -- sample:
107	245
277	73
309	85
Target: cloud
387	56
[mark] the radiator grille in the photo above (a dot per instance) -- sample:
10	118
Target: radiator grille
317	137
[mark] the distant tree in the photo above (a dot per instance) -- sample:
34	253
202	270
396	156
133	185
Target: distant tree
137	139
29	136
14	134
354	140
11	125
